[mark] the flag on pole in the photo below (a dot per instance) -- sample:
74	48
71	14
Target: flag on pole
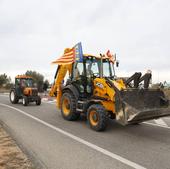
71	55
78	52
111	57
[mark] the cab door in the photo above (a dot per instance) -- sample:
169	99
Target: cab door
79	77
18	87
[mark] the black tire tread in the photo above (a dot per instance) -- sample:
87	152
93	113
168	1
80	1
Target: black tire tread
102	115
38	101
73	115
16	99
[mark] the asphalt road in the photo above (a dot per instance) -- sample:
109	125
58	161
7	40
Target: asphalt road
59	144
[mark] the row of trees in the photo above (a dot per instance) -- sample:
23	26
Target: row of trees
42	85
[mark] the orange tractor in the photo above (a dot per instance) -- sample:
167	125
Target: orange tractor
24	90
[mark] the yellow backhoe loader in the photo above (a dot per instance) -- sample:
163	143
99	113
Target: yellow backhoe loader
94	90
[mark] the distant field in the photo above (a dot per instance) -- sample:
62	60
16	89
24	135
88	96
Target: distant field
3	90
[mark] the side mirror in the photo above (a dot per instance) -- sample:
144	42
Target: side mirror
117	63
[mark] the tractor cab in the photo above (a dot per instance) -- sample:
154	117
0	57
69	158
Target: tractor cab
24	85
92	67
25	81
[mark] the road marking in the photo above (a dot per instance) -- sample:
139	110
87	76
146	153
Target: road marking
49	102
161	122
80	140
158	125
44	99
4	95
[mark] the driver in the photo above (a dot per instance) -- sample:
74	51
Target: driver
23	84
89	71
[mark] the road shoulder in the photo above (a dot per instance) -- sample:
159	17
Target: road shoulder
11	155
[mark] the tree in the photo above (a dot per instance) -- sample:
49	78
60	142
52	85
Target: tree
37	77
45	85
4	80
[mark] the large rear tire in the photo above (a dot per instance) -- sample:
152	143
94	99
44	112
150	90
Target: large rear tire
38	101
96	116
13	97
68	107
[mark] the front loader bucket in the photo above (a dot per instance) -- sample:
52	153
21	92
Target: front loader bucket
138	105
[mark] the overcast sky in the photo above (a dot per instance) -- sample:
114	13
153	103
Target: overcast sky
33	33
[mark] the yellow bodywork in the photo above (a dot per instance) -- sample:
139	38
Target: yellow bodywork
103	90
100	86
56	89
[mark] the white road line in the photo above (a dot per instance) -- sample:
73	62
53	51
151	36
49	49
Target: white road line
152	124
4	95
80	140
44	99
161	122
49	102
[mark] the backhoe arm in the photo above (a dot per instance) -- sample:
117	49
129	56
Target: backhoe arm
56	89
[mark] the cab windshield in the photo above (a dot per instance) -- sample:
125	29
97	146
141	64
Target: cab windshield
24	82
93	68
29	82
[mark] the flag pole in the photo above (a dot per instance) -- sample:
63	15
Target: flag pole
101	66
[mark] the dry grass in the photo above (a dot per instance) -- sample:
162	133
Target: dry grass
11	157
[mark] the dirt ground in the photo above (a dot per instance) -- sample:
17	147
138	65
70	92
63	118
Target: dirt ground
11	157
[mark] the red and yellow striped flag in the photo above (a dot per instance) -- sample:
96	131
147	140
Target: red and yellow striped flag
71	55
67	58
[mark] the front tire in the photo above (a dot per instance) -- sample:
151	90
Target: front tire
96	116
25	101
13	97
68	107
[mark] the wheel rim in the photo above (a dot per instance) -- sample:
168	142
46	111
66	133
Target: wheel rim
66	106
23	101
12	96
94	118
